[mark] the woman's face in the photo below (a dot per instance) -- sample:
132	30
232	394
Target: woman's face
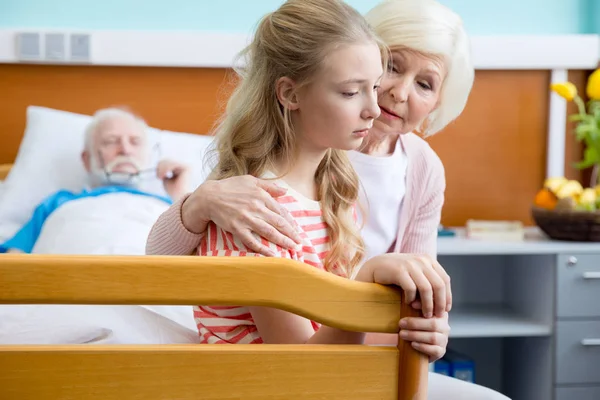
409	92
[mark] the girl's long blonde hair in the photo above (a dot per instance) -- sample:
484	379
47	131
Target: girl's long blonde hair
256	130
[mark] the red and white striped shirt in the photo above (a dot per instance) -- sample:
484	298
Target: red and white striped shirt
226	324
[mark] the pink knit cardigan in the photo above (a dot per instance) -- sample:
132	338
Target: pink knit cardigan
419	217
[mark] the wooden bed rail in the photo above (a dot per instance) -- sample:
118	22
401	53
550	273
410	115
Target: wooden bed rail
207	371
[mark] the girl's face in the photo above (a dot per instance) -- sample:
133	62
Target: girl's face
409	93
337	109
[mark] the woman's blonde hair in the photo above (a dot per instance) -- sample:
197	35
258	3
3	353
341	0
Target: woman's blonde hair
256	130
429	28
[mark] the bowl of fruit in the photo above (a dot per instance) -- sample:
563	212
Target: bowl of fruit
564	210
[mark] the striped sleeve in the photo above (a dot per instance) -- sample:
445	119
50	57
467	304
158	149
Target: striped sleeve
229	324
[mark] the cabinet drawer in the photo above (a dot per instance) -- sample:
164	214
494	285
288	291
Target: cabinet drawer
578	352
578	286
578	393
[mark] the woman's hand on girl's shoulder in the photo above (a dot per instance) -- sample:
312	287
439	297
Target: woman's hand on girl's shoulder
244	206
417	275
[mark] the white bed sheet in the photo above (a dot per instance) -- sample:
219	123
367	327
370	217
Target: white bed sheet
110	224
79	324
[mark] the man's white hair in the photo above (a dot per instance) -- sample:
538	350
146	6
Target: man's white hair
429	28
107	114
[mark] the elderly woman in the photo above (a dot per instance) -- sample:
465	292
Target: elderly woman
427	87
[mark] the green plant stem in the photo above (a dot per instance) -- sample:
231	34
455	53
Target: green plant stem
580	106
594	177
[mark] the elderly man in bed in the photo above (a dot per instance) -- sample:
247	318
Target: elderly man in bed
112	215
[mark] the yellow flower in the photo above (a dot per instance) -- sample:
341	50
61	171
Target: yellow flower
593	86
565	89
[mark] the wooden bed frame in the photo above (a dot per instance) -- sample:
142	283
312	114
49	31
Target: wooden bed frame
186	372
4	170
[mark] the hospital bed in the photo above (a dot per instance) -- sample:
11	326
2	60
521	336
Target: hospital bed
111	372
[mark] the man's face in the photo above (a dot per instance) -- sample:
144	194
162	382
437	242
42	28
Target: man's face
119	145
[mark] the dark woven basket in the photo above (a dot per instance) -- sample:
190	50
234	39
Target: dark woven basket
580	226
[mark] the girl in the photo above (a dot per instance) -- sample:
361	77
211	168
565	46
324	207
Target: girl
308	94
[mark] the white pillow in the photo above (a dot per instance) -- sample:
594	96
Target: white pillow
49	159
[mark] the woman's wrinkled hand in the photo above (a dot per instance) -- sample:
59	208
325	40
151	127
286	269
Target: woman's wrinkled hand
246	207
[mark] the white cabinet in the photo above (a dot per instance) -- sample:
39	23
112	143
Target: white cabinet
528	314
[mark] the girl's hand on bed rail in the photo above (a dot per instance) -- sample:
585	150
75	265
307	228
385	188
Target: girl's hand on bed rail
416	275
244	206
427	335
